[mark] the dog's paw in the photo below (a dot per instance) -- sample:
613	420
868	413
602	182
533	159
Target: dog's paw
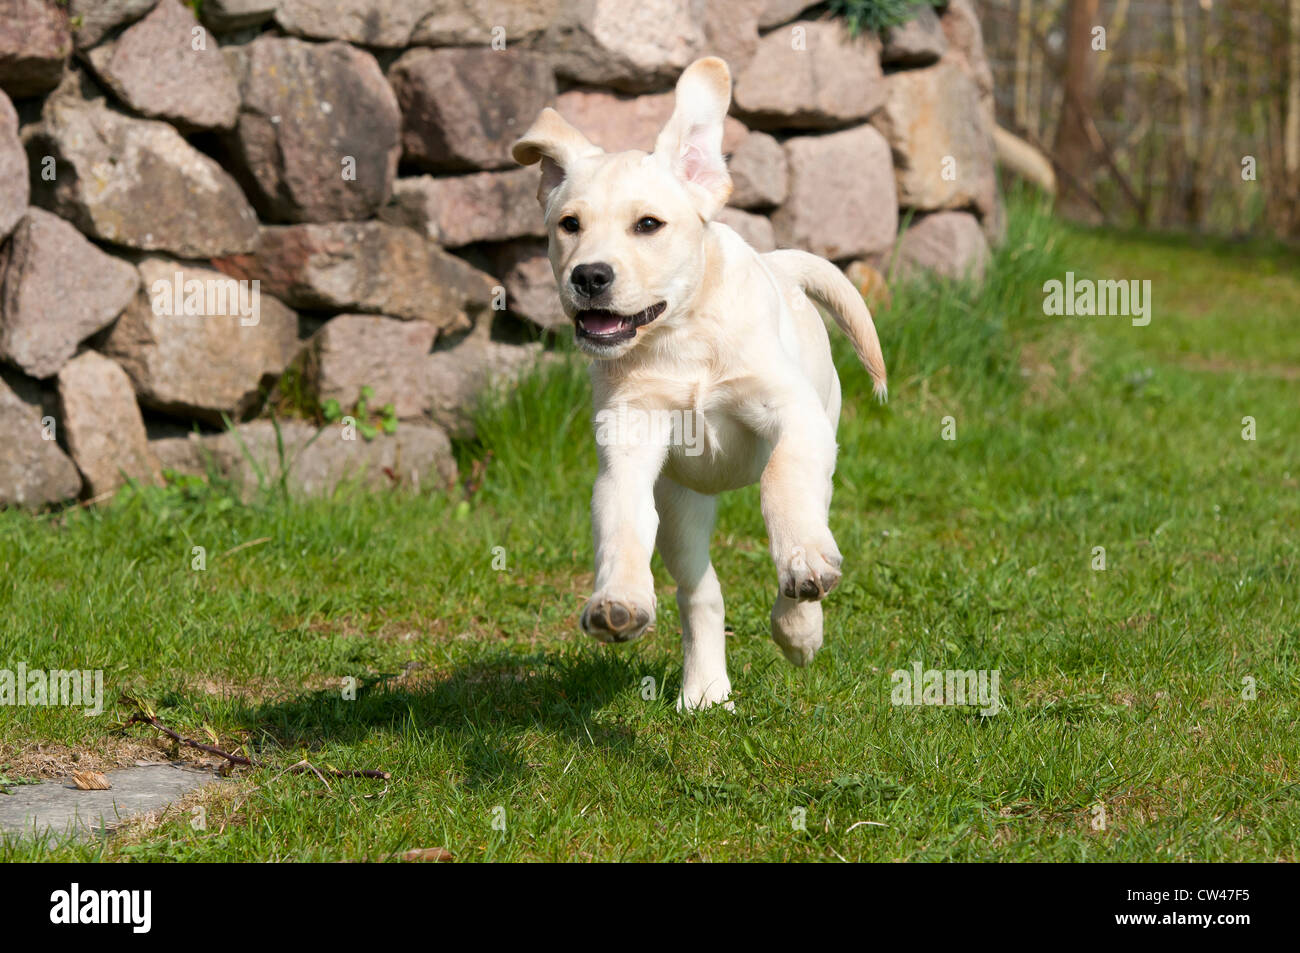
797	629
800	656
716	692
612	618
810	572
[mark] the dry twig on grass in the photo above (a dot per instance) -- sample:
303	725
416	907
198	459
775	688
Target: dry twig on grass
144	715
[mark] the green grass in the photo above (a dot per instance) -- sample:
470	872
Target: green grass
1122	688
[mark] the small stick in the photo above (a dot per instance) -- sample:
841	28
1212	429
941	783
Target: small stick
139	717
306	765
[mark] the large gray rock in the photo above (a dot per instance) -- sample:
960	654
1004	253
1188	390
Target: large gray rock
353	351
759	172
918	42
35	40
776	12
458	377
461	209
947	244
374	23
842	203
97	18
57	290
365	266
317	134
159	68
33	470
961	29
102	424
398	23
319	461
135	182
632	45
942	144
617	122
195	344
14	190
755	229
462	109
529	280
380	23
178	449
811	75
484	22
731	31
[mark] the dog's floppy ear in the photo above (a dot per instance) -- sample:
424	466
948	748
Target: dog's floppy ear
556	144
691	143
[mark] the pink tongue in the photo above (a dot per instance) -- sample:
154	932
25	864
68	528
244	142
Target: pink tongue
602	323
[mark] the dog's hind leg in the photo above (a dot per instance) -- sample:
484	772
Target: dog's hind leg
797	628
685	527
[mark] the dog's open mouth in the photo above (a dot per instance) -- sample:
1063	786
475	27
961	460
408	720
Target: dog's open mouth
610	327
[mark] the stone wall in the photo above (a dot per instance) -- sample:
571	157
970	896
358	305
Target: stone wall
351	158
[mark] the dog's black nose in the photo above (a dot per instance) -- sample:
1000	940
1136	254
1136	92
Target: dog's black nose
592	280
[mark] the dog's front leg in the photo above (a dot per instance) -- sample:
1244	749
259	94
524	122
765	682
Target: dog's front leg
624	522
796	495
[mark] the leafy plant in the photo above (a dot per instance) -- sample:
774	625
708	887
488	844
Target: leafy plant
369	422
877	16
291	396
6	783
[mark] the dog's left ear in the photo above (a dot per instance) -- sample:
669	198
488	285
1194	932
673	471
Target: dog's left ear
691	143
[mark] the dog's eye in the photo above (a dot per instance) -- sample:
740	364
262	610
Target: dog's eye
569	224
647	225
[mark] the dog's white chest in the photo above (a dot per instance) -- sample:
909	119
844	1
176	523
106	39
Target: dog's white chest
713	451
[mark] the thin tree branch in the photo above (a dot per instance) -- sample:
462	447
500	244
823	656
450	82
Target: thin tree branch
148	718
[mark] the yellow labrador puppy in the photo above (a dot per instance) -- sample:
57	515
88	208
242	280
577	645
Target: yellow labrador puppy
695	334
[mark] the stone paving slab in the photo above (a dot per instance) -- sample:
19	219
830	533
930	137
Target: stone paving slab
58	807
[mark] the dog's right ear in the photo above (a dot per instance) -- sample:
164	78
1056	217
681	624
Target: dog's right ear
556	144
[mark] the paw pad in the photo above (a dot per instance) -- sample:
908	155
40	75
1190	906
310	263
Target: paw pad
614	620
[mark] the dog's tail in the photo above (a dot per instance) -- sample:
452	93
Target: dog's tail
826	285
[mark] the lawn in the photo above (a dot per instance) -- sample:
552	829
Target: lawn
1149	709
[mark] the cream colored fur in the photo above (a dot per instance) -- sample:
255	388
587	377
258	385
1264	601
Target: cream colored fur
738	344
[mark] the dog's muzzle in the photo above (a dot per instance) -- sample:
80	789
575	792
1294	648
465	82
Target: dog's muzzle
609	327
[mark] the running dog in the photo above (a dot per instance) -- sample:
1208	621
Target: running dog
683	316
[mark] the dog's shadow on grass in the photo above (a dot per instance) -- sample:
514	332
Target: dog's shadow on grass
485	715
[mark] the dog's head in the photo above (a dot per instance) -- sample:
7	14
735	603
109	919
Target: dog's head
627	229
